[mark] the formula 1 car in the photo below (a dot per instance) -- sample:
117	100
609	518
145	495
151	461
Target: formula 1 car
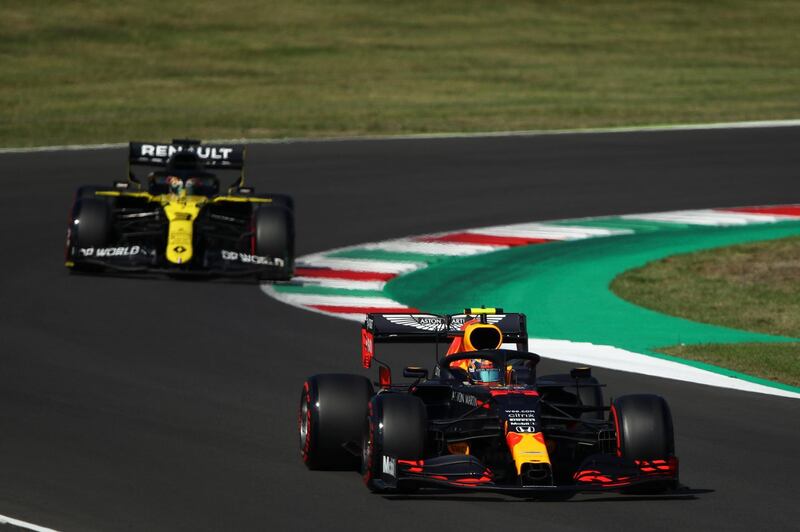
484	420
179	222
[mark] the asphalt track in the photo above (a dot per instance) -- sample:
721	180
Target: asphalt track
159	404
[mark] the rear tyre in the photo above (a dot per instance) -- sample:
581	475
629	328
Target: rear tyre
89	191
274	237
332	411
90	227
397	426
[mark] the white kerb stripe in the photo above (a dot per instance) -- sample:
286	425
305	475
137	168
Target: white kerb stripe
347	284
431	248
604	356
550	232
337	301
704	217
759	217
358	265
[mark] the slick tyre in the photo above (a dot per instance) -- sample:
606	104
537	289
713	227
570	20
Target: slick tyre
274	237
396	427
644	427
332	412
91	227
644	430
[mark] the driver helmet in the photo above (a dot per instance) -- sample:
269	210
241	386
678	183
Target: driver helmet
176	185
482	371
192	184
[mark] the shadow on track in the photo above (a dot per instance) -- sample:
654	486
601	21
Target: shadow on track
681	494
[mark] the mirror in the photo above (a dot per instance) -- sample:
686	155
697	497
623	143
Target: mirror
415	372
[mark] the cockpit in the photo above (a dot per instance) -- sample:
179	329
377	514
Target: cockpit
184	172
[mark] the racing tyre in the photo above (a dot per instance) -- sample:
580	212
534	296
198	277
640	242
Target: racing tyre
644	427
280	200
644	432
88	191
332	411
274	237
396	427
91	226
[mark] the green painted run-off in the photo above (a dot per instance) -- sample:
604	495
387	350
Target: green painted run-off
563	287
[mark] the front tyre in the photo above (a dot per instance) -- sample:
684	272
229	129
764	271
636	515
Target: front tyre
643	424
90	228
396	427
274	238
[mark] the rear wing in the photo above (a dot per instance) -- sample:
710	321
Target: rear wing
435	328
225	156
220	156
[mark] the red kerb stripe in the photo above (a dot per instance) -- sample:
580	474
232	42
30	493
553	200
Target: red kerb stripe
785	210
361	310
489	240
351	275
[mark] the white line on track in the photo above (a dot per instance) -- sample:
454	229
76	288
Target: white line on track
5	520
605	356
753	124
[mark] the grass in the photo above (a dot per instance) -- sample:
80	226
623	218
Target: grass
76	71
777	362
754	287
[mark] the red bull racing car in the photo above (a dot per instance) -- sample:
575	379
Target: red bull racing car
484	420
179	221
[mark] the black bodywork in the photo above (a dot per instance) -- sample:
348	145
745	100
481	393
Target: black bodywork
470	428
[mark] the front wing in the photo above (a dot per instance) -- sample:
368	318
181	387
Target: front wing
598	473
142	258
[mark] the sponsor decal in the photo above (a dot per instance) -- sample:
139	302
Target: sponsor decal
522	420
204	152
464	398
179	249
120	251
369	346
389	466
246	258
427	322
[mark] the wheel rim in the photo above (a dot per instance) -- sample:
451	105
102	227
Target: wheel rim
304	428
366	452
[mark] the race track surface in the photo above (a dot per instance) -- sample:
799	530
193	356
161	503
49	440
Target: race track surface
160	404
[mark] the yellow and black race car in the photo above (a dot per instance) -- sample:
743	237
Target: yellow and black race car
484	420
177	221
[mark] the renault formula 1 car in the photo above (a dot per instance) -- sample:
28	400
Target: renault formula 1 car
484	420
178	221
